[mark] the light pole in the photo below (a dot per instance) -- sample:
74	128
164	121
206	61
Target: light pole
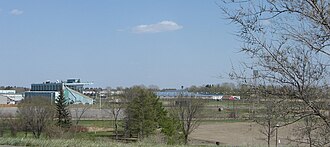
255	76
100	100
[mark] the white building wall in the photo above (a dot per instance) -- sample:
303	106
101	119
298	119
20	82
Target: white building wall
7	91
3	99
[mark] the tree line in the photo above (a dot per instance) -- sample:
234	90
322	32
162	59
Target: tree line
144	115
137	113
37	115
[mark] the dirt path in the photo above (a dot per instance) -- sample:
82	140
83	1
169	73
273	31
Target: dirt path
237	134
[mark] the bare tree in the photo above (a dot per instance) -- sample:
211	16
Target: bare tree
304	22
311	132
115	108
270	113
36	114
2	123
288	42
268	122
12	123
79	111
187	111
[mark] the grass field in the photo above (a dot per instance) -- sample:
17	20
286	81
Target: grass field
72	143
216	126
227	132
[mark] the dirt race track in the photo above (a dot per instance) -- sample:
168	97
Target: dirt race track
238	134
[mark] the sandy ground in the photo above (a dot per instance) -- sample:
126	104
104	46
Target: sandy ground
238	134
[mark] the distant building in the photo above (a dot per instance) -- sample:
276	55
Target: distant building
170	94
7	91
72	89
3	99
89	92
9	97
116	92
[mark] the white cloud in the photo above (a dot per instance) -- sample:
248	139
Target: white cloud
162	26
16	12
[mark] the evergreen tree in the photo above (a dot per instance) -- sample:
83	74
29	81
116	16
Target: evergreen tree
63	113
143	112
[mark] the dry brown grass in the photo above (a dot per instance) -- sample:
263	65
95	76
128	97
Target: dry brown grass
8	105
98	129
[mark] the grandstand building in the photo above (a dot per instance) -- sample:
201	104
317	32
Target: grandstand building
72	89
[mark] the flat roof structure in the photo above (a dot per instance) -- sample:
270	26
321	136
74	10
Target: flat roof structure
72	89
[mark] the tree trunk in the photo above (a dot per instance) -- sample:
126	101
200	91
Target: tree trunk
185	138
116	128
310	139
269	134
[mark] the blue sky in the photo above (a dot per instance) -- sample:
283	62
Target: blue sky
116	42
